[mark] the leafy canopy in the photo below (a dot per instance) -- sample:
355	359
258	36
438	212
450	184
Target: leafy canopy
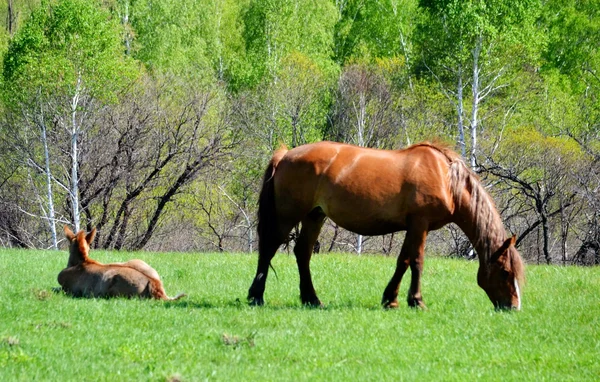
65	45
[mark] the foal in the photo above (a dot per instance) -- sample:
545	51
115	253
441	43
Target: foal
85	277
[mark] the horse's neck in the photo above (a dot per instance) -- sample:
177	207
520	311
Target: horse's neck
77	258
485	240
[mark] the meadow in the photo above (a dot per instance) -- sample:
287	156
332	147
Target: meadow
214	335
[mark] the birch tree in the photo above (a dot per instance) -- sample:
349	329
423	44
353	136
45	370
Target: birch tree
476	46
64	63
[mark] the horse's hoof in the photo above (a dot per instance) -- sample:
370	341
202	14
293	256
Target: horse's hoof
390	304
256	301
313	303
417	304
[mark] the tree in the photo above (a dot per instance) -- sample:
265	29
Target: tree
156	142
62	65
200	40
363	111
370	29
479	45
276	28
538	172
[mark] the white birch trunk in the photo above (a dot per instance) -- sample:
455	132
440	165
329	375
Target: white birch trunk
51	213
361	124
74	193
459	112
125	22
476	99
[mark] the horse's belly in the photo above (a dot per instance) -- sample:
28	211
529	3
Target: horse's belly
365	219
371	228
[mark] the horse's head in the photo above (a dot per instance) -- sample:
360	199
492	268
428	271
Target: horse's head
79	246
501	276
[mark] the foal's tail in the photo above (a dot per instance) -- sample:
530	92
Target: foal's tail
267	217
157	291
180	295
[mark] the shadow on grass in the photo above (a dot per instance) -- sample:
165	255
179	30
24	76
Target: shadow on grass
242	304
187	303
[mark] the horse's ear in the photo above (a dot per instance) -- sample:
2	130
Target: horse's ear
90	236
503	248
69	234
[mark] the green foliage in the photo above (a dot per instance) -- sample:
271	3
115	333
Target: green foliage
276	28
62	44
574	32
375	29
302	94
506	29
274	69
538	157
199	40
213	334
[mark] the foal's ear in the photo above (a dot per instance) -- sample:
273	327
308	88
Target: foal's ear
69	234
510	242
90	236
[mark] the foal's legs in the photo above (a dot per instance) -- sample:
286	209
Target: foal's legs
411	254
311	226
268	246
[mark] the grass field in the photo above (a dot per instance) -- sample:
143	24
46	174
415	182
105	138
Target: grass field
213	335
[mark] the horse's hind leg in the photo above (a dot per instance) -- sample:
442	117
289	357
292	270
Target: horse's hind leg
411	254
269	243
311	226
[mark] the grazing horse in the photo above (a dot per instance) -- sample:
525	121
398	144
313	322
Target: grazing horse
376	192
85	277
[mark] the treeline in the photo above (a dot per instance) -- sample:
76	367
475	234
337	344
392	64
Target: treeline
153	120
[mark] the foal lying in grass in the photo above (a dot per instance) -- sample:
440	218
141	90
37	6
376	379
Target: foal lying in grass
85	277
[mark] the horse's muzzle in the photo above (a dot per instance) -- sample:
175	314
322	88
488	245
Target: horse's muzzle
505	307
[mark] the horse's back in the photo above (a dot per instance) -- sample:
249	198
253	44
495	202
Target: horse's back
142	267
365	190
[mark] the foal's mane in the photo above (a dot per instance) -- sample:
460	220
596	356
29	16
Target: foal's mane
489	232
82	245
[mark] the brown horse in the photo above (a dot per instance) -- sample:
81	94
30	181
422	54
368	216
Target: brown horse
85	277
376	192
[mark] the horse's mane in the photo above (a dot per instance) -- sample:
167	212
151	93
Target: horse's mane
489	232
441	147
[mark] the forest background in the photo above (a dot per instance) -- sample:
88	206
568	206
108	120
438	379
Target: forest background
154	120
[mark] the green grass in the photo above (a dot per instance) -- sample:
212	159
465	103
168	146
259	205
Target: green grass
214	335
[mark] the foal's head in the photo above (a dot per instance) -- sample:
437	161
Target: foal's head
79	246
502	277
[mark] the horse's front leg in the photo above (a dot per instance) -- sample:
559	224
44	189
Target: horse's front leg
311	226
390	294
415	299
411	254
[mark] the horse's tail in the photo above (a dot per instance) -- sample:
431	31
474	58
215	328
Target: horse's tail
180	295
267	216
157	291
